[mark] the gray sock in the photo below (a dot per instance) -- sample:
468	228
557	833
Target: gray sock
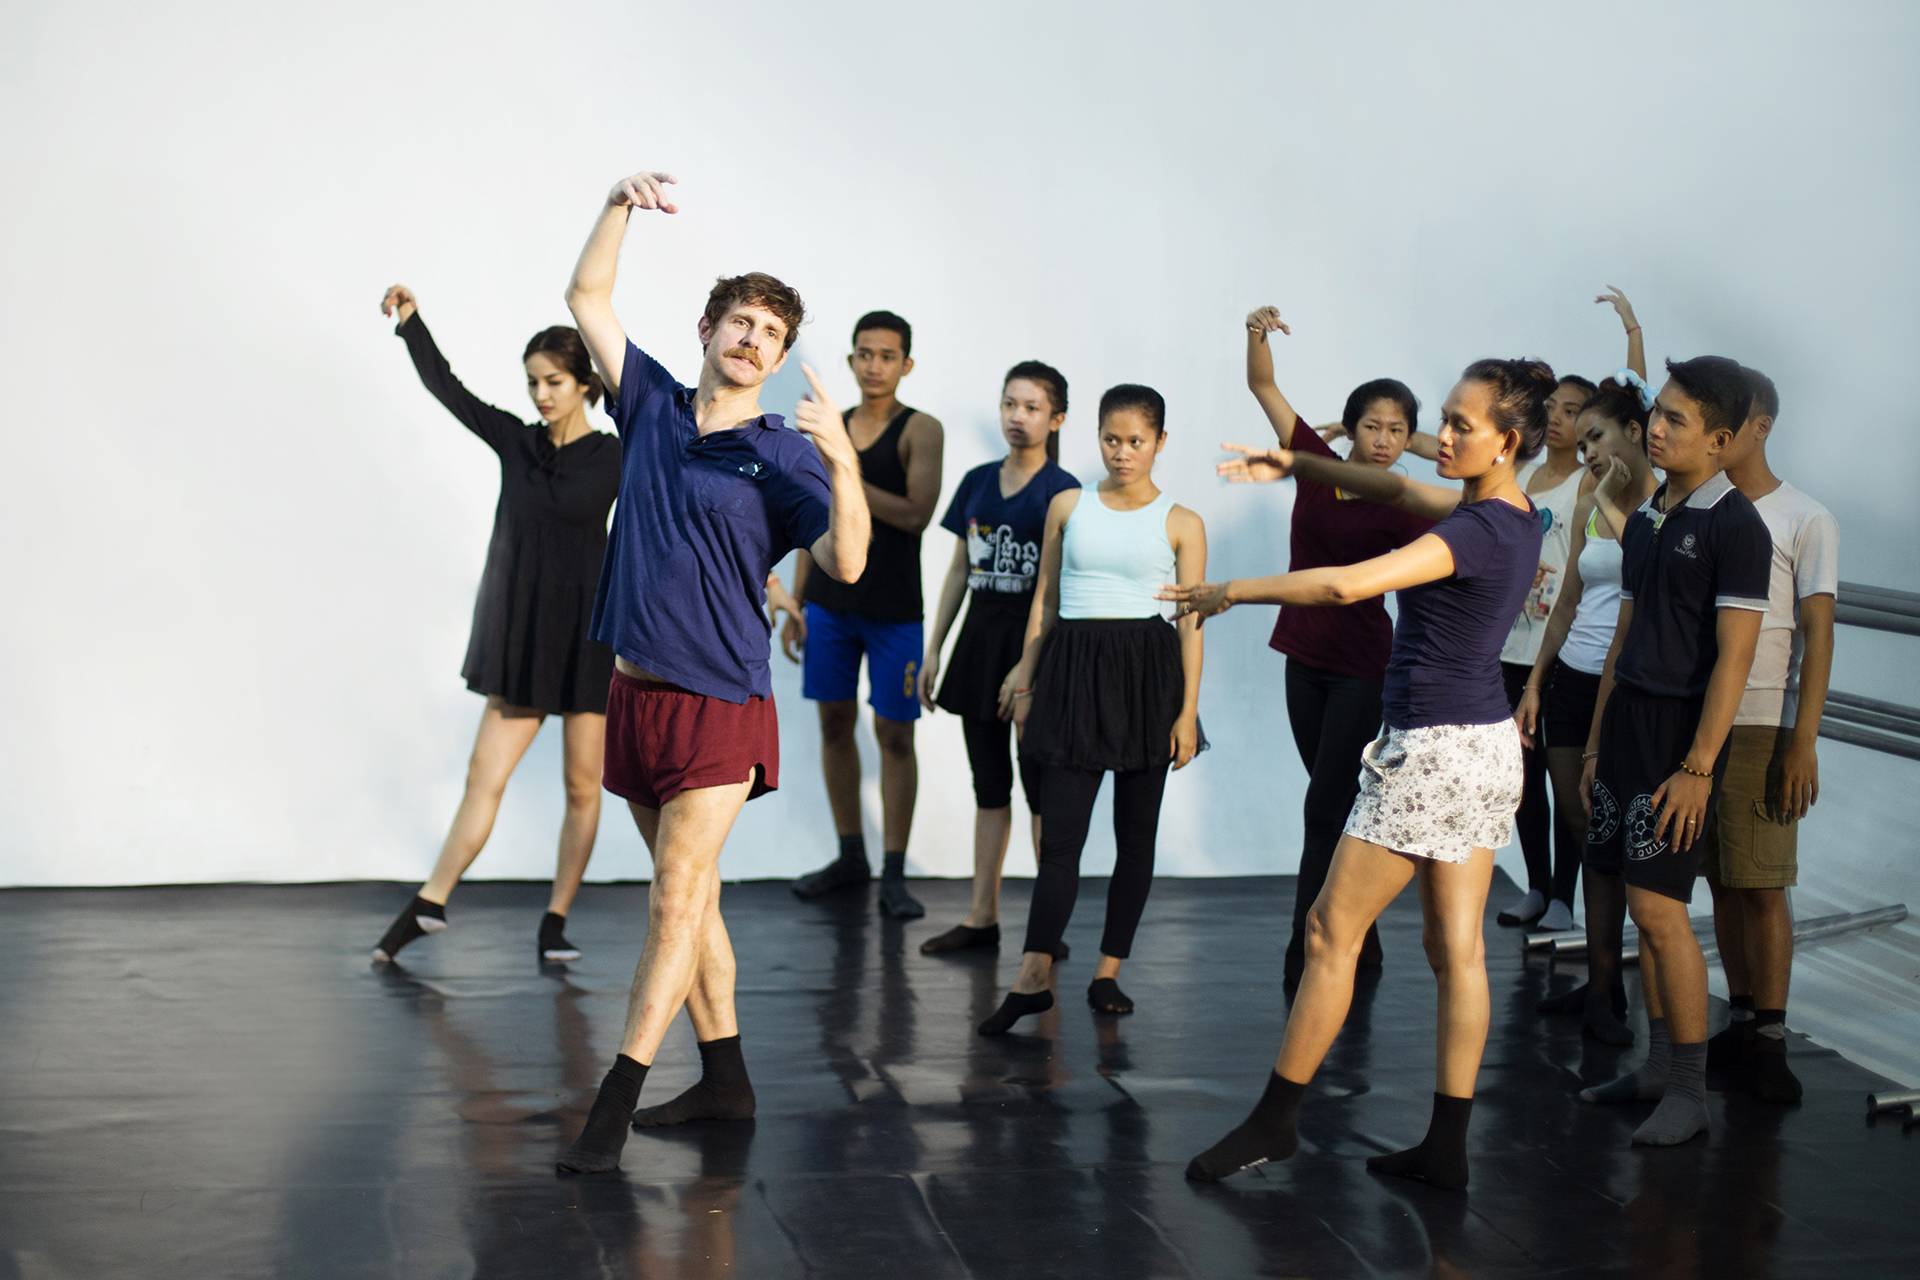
1682	1113
1646	1082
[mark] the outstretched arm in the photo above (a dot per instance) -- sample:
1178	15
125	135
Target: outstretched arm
1421	444
493	425
1260	322
1636	346
1427	558
1375	484
590	292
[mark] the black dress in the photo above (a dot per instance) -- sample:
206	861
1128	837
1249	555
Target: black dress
531	643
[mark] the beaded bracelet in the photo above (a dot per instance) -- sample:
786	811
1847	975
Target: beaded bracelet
1691	772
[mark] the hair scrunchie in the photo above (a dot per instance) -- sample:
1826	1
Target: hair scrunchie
1628	378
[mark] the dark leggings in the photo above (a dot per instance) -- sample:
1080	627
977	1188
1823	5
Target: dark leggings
990	753
1533	819
1066	813
1334	717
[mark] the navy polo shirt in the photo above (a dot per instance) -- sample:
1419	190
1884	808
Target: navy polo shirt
700	522
1680	569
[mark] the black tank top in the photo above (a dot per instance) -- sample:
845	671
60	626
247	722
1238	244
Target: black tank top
889	590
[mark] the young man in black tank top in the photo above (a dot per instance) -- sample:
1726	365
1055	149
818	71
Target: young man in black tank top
878	616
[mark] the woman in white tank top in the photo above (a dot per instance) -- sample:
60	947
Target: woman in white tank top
1105	684
1565	677
1555	485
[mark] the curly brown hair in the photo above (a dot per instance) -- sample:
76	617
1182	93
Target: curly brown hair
757	289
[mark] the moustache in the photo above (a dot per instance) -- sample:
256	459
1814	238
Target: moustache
745	353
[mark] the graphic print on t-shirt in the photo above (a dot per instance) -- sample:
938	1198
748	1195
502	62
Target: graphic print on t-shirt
998	560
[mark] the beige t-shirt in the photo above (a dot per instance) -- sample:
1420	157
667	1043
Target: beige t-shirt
1806	562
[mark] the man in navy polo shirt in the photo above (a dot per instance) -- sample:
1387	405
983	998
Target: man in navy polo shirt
1695	560
712	493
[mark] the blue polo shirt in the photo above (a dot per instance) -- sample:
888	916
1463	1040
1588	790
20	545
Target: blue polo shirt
1680	569
700	522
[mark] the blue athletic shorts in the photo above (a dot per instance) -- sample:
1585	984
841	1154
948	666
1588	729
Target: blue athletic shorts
830	669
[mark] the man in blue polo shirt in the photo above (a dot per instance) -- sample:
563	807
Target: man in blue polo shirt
1695	559
712	493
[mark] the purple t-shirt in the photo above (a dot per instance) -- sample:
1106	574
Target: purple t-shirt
1445	667
699	523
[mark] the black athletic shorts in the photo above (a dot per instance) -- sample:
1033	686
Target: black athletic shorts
1643	738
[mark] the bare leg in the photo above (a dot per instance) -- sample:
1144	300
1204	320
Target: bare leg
505	734
1674	973
585	739
686	859
1729	932
1363	879
1767	920
1453	900
992	833
840	764
899	783
899	779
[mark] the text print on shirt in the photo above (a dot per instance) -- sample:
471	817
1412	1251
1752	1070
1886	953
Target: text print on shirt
1001	562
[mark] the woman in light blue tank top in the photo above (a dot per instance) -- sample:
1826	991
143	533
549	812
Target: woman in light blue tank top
1105	684
1557	703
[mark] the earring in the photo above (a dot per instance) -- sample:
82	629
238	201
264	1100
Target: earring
1499	458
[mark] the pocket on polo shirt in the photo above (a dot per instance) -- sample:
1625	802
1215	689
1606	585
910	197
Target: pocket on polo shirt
729	496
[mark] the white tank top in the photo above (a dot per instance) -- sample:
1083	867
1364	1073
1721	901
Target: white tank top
1592	632
1556	507
1113	562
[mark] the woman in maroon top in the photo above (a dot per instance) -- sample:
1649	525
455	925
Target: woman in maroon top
1336	657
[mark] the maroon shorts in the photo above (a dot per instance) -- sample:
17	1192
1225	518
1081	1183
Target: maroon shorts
662	740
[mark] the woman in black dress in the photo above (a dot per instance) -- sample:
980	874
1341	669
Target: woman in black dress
530	652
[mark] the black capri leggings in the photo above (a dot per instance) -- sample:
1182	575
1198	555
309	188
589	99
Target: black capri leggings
1068	813
990	752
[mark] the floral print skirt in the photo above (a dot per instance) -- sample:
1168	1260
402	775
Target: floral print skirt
1439	792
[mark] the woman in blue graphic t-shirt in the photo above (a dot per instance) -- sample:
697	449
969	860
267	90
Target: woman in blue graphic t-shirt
1440	784
999	516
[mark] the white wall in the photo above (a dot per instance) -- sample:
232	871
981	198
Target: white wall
241	543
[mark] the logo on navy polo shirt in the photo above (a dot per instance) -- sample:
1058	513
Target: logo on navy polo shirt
1686	548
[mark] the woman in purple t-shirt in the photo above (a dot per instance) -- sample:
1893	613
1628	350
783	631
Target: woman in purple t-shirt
1441	782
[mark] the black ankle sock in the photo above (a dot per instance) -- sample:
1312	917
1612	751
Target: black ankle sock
1105	996
1015	1007
597	1149
406	926
1602	1022
1771	1079
962	937
723	1091
1268	1133
854	849
553	927
893	865
1441	1157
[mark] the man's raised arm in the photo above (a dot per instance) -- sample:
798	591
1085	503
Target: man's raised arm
590	292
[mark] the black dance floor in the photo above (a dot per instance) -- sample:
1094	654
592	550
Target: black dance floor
212	1082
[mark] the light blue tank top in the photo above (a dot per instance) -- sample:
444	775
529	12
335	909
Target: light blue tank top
1113	562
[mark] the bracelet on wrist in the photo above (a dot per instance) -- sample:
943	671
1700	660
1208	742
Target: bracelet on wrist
1023	693
1589	755
1692	772
1633	328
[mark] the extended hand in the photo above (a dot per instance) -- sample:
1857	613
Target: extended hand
1265	320
817	416
1618	301
399	303
1202	599
1681	808
644	191
1255	466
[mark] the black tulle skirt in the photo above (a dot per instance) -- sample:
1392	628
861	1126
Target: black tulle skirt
989	646
1106	694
